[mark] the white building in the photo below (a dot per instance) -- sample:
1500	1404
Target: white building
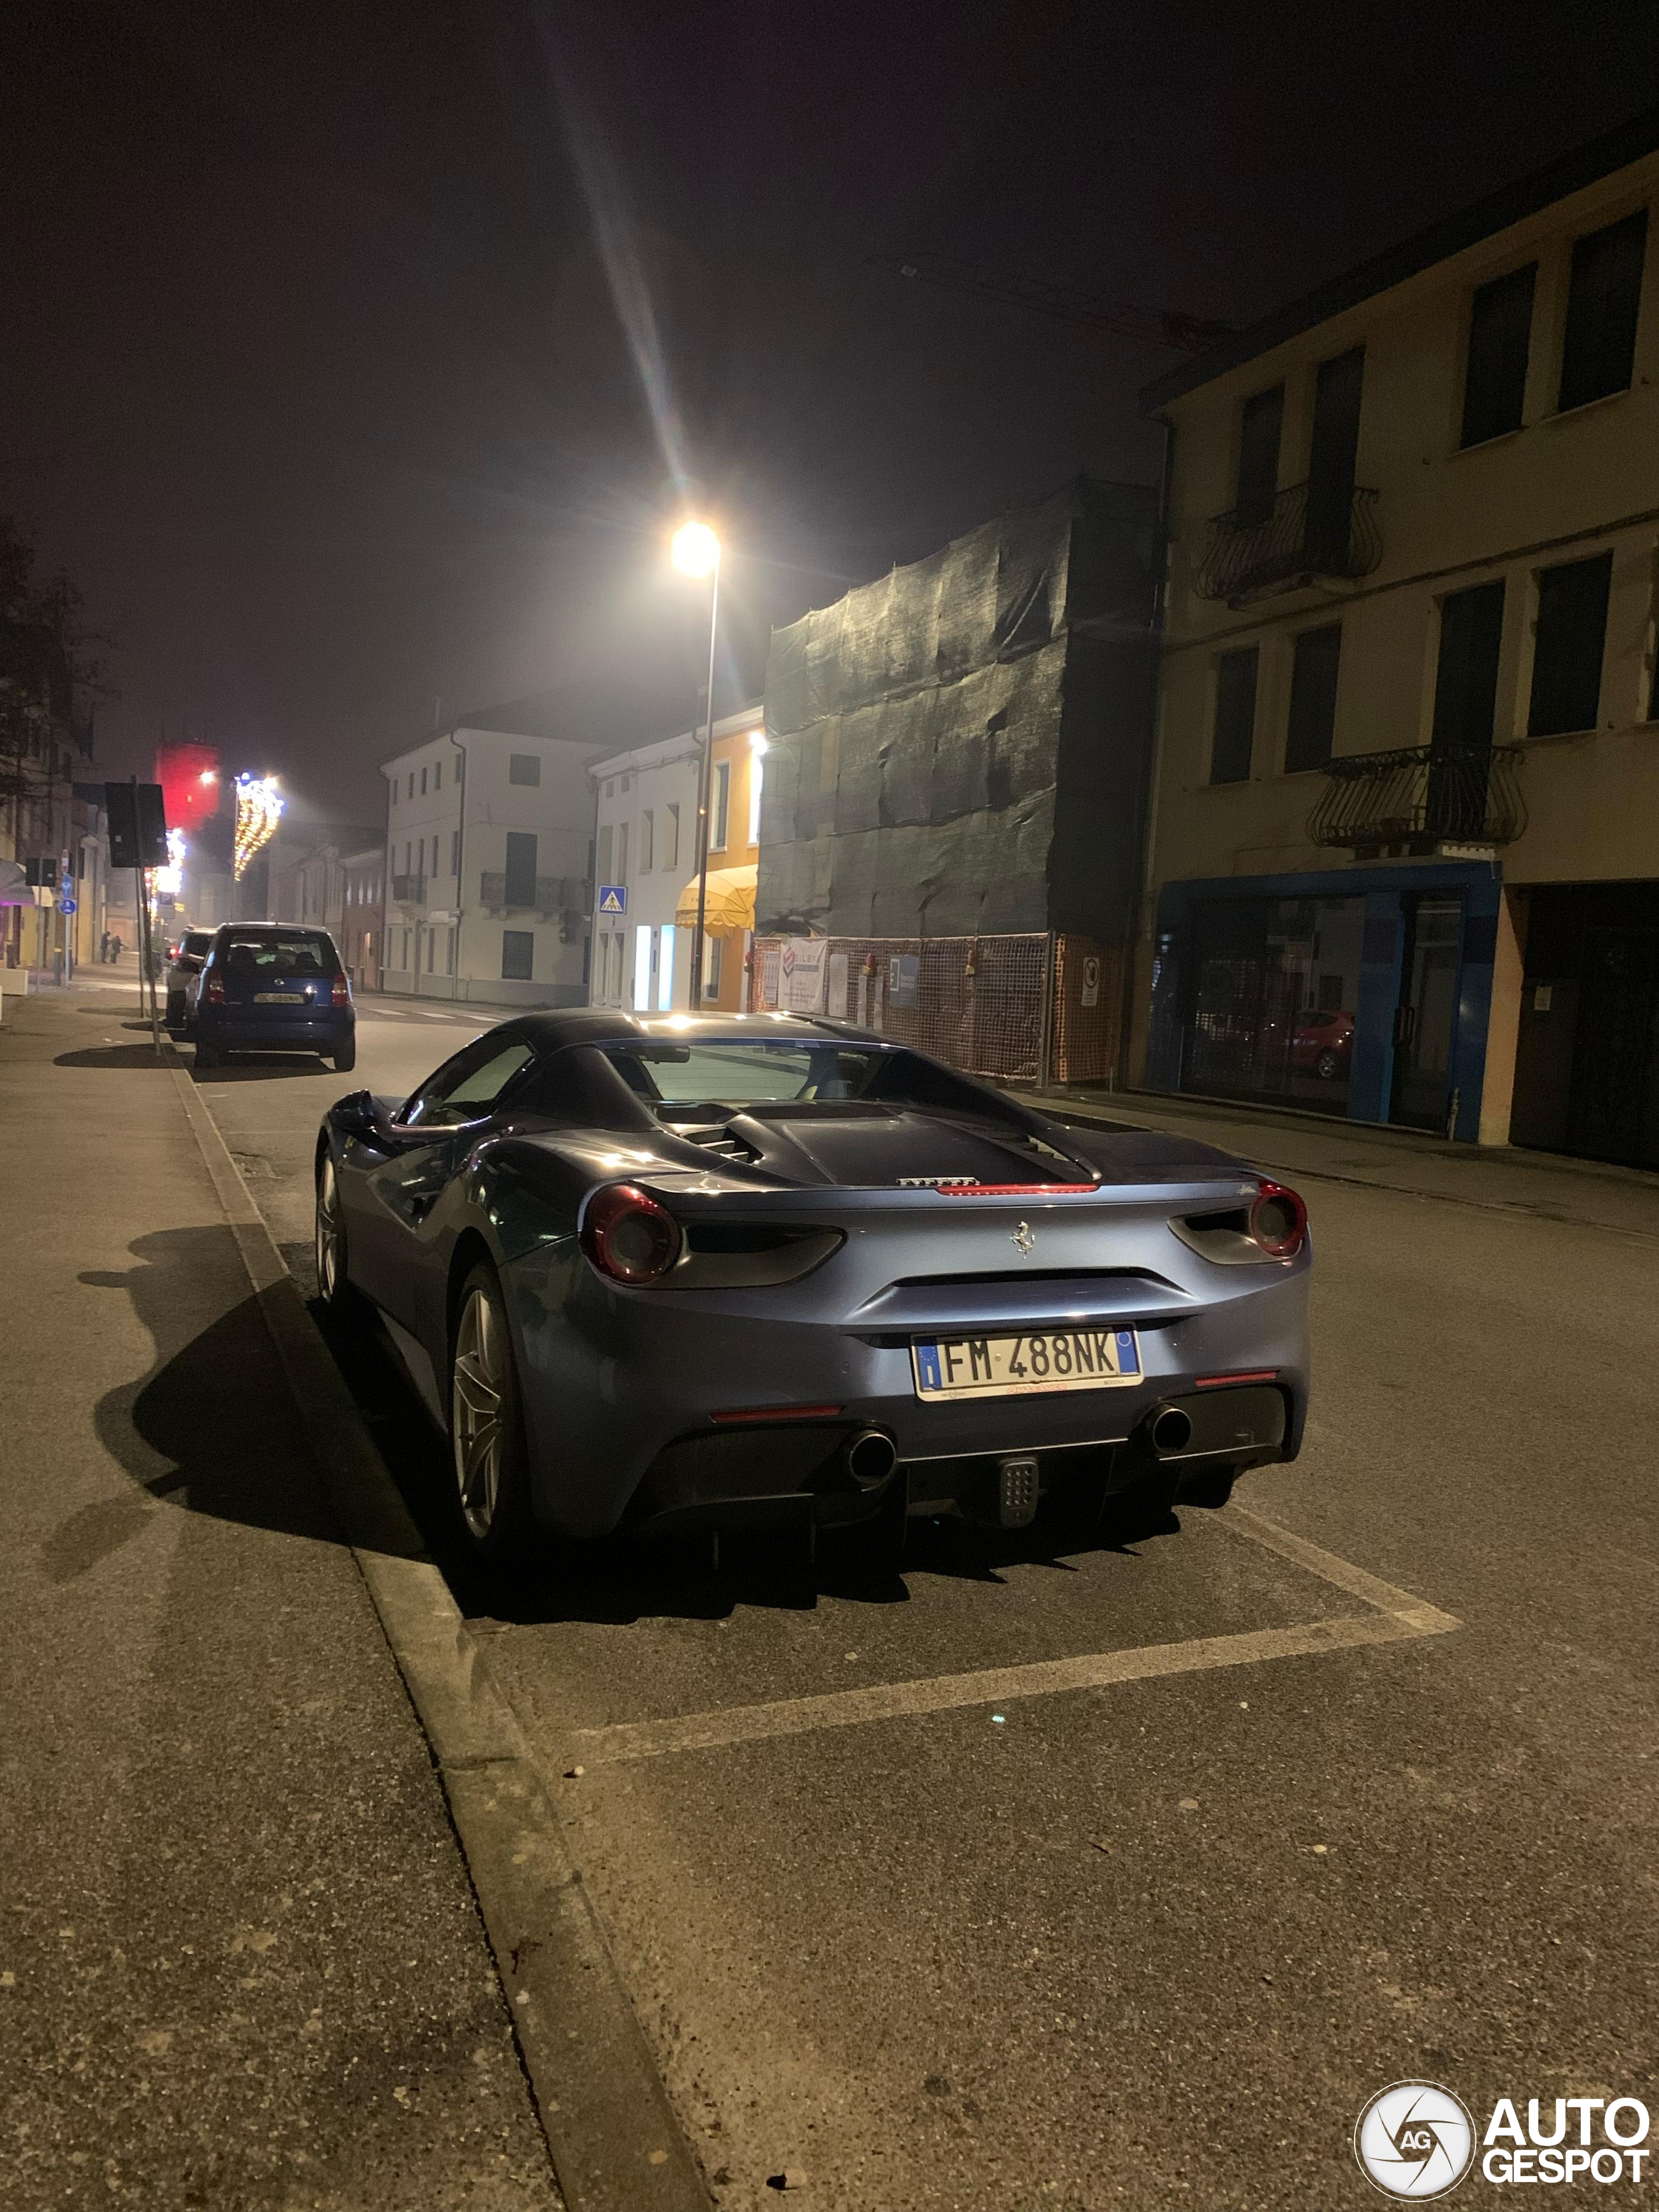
646	855
489	868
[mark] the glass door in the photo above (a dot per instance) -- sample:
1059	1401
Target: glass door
1425	1018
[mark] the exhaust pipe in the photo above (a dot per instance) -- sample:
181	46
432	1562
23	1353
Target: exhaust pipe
1171	1431
871	1457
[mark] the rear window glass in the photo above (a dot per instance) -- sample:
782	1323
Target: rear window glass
298	953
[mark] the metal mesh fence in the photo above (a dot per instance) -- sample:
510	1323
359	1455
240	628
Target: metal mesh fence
997	1005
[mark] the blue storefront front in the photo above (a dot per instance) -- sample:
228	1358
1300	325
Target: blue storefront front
1360	992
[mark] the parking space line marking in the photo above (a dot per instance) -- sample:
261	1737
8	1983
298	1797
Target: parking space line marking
1091	1670
1257	1528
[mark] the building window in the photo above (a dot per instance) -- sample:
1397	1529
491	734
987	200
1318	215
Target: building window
520	885
648	839
606	834
1603	295
1495	374
411	783
665	970
610	789
1235	717
1566	664
423	783
437	775
409	858
518	950
756	777
524	767
626	785
1313	699
449	955
720	806
1259	428
712	950
671	837
622	852
1466	677
455	852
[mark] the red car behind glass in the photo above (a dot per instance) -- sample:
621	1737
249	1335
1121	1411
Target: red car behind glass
1322	1044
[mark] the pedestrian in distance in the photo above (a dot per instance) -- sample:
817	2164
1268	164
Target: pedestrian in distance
103	947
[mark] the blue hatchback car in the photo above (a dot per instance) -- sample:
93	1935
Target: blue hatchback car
267	987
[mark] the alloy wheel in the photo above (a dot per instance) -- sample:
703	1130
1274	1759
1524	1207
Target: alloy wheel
328	1233
478	1388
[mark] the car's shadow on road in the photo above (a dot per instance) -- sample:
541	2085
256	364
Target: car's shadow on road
260	1067
211	1428
112	1057
629	1579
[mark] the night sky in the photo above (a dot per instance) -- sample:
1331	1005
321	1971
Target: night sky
353	352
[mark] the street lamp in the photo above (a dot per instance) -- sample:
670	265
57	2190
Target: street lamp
695	552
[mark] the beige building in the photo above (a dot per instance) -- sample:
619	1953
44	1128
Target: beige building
1403	861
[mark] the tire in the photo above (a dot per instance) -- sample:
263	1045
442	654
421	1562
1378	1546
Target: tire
486	1450
209	1055
1328	1066
345	1059
329	1241
174	1017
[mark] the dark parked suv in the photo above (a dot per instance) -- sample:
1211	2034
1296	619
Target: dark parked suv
265	987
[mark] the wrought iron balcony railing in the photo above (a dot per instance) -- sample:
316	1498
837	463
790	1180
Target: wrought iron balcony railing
1309	532
554	894
409	891
1417	799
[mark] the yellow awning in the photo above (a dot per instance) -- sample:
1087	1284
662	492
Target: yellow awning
731	903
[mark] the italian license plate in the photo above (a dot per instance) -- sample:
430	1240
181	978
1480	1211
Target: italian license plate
279	997
1001	1366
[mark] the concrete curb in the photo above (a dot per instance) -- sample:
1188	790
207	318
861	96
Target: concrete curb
615	2142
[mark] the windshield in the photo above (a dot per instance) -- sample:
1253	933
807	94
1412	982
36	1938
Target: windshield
736	1072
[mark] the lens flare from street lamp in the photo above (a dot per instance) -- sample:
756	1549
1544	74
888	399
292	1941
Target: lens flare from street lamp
259	810
695	550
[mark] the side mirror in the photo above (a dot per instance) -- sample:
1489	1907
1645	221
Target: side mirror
355	1116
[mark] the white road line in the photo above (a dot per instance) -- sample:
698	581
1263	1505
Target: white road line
1256	1527
884	1701
1395	1617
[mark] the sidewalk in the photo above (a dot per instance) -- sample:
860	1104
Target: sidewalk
1547	1186
240	1961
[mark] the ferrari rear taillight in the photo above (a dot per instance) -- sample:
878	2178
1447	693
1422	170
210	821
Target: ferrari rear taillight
1279	1221
342	989
628	1236
213	991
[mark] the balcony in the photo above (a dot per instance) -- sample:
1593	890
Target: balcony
1308	532
1418	800
556	895
409	891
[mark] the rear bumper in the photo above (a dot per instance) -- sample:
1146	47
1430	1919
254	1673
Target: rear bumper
235	1031
621	1395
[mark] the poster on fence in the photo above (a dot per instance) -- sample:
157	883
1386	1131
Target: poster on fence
801	974
835	998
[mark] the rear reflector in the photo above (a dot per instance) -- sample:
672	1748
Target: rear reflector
778	1414
1011	1189
1255	1375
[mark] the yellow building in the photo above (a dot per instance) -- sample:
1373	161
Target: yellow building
737	767
1403	856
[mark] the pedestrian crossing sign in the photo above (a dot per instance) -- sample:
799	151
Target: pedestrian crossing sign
613	898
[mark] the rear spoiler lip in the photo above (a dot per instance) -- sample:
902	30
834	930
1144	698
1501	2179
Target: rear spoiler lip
686	1192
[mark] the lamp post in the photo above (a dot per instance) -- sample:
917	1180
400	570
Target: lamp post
695	552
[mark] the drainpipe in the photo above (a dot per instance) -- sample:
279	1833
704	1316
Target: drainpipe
1152	774
461	861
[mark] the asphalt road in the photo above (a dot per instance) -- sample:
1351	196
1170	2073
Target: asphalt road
1151	1926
